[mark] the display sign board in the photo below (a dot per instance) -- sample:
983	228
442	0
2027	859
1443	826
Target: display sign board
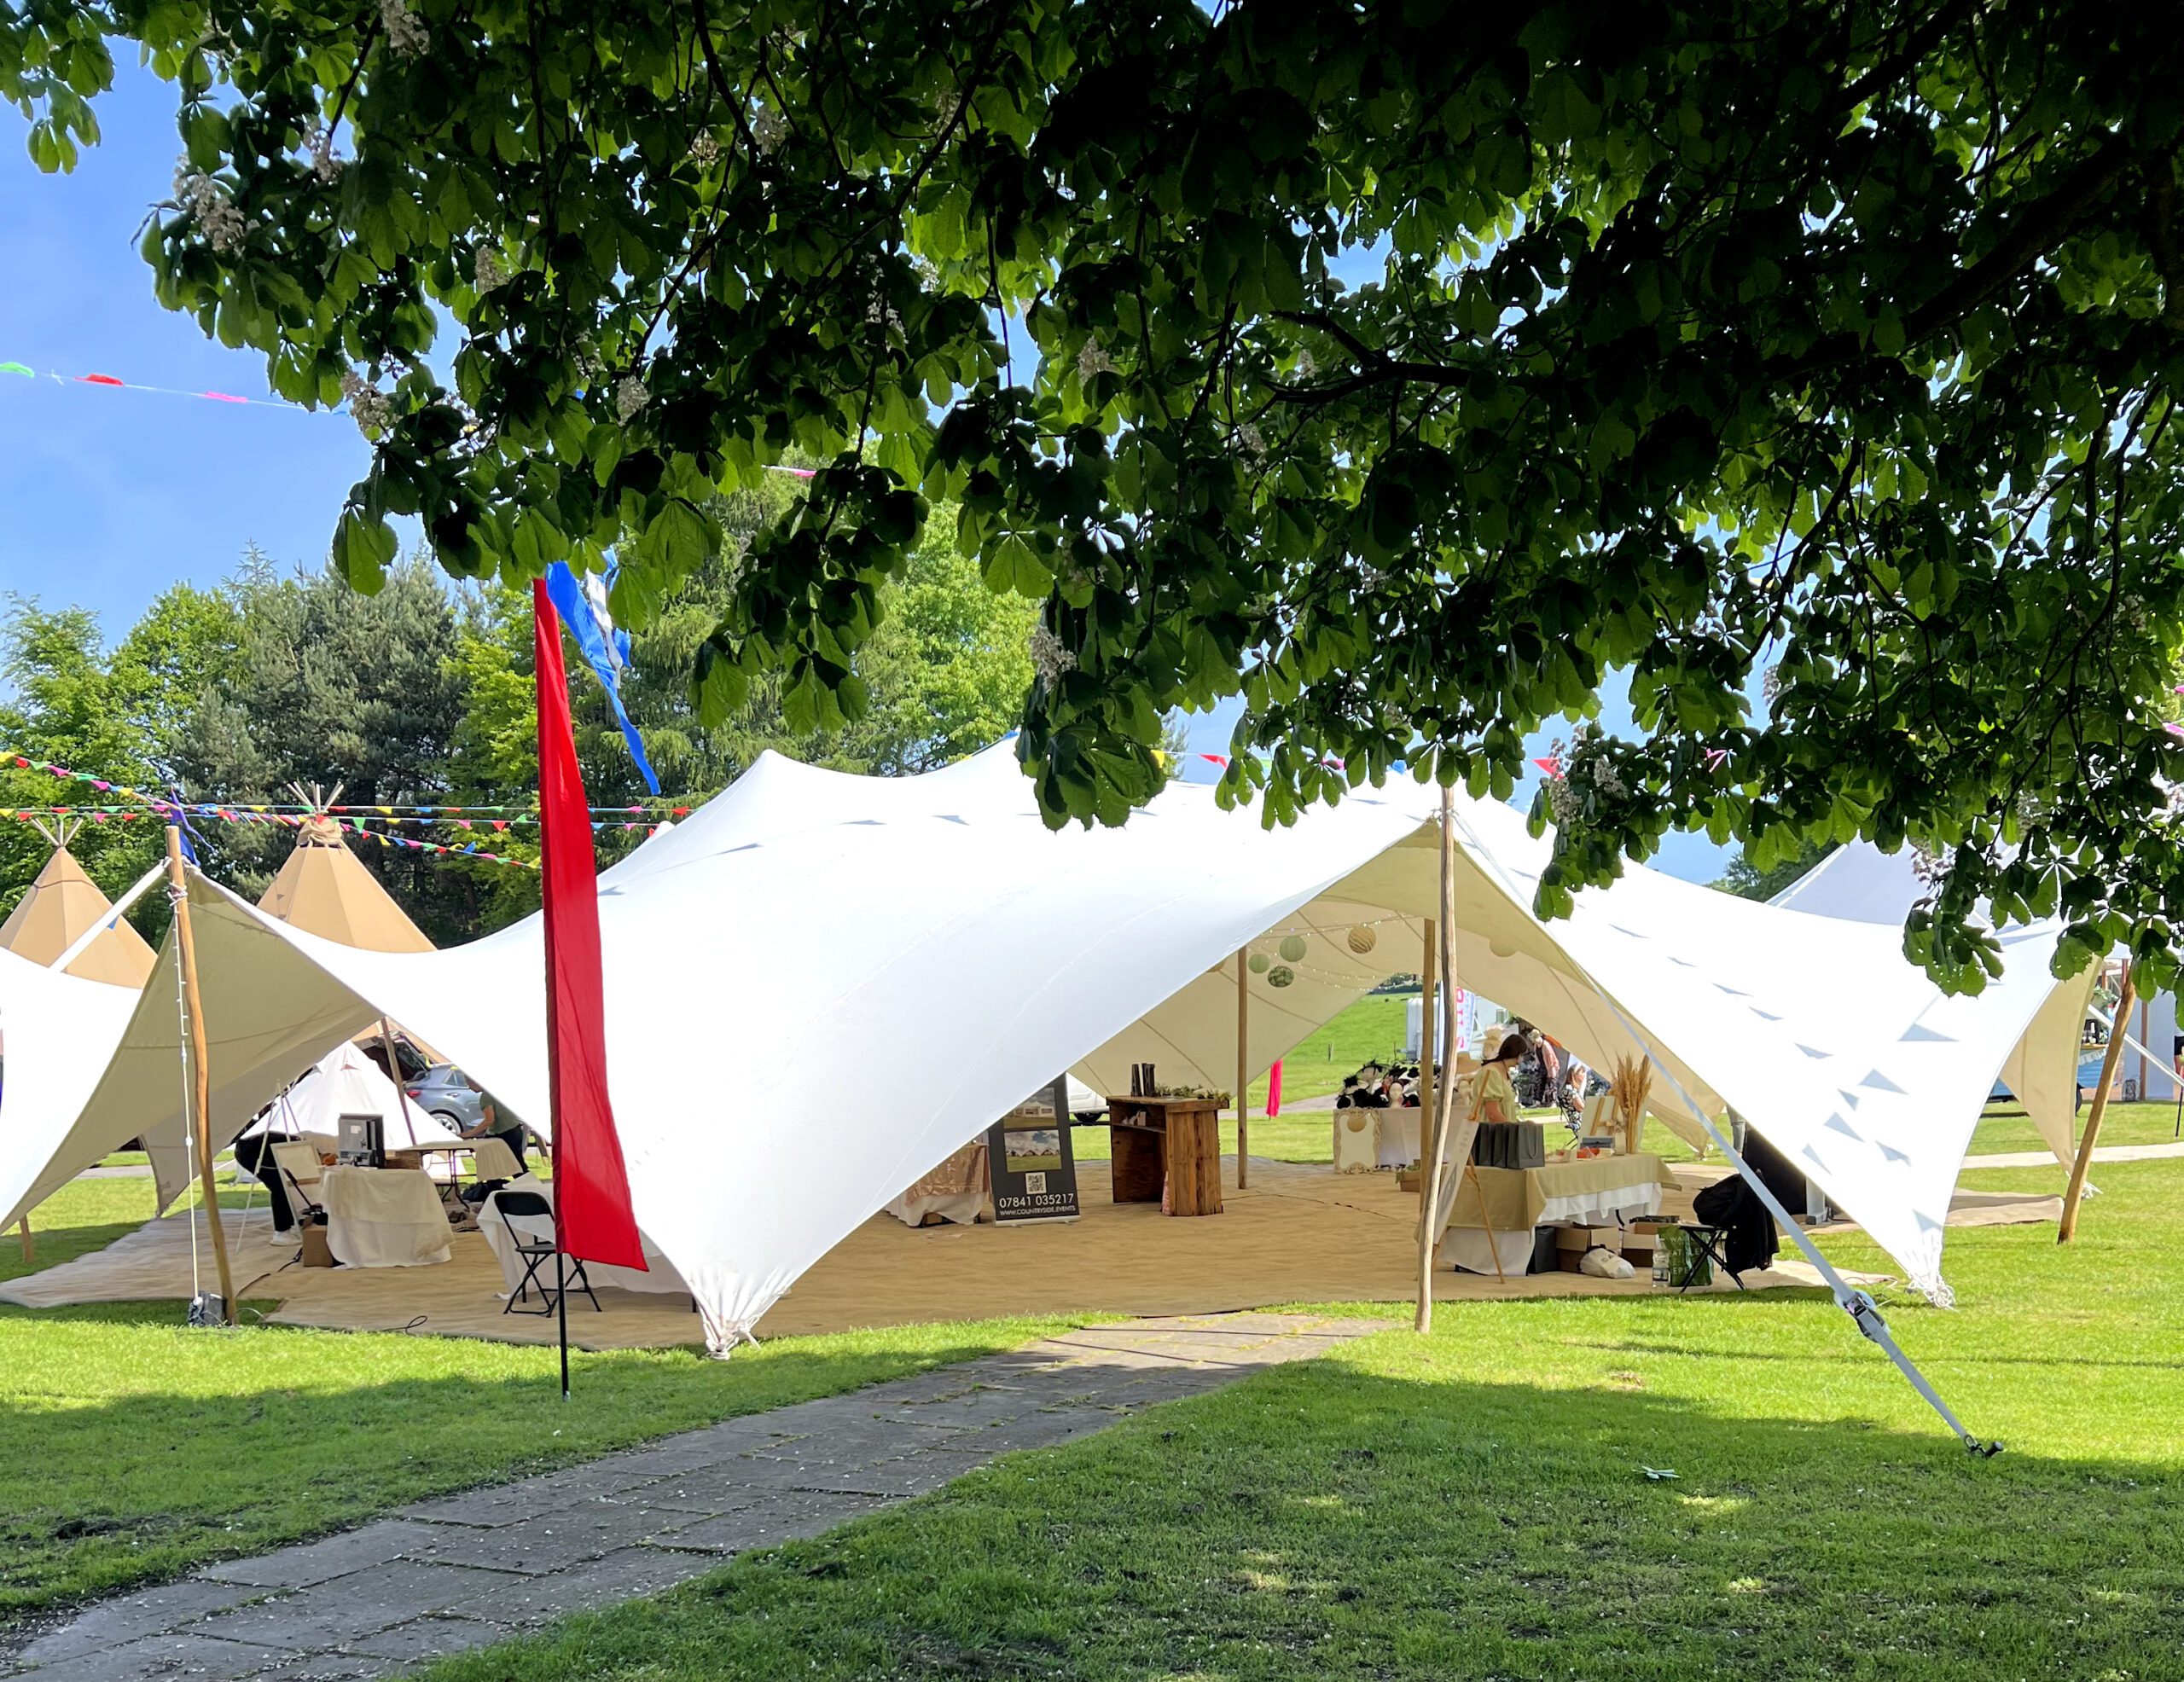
1028	1155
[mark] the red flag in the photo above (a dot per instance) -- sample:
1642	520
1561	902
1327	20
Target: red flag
591	1188
1274	1088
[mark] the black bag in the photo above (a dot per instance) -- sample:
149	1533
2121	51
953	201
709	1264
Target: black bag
1749	1239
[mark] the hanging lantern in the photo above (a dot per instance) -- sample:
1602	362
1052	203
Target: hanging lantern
1259	963
1281	976
1364	938
1292	947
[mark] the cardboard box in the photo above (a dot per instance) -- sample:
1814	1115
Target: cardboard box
316	1251
1583	1239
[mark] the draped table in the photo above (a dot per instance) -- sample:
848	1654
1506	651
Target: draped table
384	1217
957	1190
1596	1192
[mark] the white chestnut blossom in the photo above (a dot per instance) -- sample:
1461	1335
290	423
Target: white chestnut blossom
769	129
406	34
323	163
1049	659
225	228
705	149
489	270
629	397
1093	359
368	407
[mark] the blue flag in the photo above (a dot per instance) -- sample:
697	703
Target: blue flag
582	604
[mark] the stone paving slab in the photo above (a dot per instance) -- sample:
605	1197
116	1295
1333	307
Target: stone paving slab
462	1571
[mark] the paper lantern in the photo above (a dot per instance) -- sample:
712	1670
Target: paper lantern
1364	938
1281	976
1259	961
1292	947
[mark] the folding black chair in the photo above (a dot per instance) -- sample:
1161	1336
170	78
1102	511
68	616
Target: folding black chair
1708	1241
537	1252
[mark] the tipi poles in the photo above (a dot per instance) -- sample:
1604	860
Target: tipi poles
1430	1179
200	1119
394	1074
2068	1229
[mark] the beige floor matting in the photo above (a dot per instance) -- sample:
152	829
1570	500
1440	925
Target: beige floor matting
1300	1233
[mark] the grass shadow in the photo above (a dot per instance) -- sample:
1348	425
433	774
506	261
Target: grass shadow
1376	1515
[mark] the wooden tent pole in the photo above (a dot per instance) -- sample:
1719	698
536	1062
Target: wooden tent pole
2067	1228
394	1074
198	1068
1430	1178
1243	1100
1426	1047
23	1231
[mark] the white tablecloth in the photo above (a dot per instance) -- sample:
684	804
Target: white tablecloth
659	1275
1604	1192
1367	1139
384	1217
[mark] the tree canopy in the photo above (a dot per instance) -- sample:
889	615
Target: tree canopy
1402	369
422	694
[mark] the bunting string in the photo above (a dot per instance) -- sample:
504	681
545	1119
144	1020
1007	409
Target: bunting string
354	820
400	811
24	371
157	810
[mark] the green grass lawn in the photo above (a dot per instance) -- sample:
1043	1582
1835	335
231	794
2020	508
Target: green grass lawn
1472	1506
1370	1031
132	1448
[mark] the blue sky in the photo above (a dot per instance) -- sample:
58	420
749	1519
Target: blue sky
107	496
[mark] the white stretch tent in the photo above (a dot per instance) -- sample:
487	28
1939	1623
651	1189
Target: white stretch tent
1858	883
59	1032
938	953
346	1082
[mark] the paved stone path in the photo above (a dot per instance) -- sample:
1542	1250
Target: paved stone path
2101	1153
468	1569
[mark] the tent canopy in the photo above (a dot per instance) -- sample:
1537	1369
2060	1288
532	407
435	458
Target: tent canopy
61	905
346	1082
325	888
924	951
61	1032
1858	883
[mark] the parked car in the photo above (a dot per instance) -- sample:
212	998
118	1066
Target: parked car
449	1095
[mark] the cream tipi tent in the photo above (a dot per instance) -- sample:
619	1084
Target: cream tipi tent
61	905
325	889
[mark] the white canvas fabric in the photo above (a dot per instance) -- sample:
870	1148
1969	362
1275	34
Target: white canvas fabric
58	1033
1859	883
346	1082
383	1218
929	949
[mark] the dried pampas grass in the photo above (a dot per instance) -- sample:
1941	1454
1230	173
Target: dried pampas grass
1631	1086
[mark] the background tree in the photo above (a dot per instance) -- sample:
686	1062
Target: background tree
1741	876
424	694
332	688
121	713
1403	369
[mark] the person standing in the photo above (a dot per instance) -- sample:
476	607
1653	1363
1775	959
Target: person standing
497	1120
